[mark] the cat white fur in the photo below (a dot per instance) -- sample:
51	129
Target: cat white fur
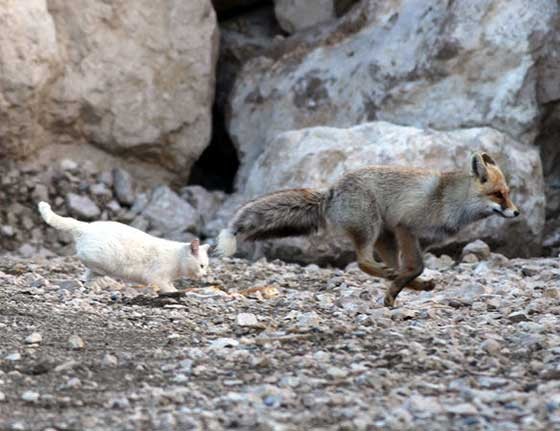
121	251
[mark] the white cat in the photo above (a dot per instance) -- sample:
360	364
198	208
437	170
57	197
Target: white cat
121	251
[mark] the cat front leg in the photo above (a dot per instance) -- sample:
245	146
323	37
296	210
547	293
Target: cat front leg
166	287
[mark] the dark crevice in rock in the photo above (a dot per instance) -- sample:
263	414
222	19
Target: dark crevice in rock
218	164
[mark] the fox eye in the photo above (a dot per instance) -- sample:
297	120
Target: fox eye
498	195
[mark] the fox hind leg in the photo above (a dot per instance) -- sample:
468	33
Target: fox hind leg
388	250
412	264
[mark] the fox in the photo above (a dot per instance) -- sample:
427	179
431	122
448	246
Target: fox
118	250
384	210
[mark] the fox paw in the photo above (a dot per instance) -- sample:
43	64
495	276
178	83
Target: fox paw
424	285
389	300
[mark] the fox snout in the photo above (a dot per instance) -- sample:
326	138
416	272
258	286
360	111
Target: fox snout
505	208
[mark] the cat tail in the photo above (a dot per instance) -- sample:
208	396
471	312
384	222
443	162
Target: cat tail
58	222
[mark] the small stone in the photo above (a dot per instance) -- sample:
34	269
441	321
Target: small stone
40	193
75	342
113	206
221	343
33	338
464	409
469	258
82	206
490	346
247	319
109	361
2	397
119	403
550	292
68	165
74	383
124	187
479	248
517	316
30	396
13	357
336	372
7	231
100	190
27	250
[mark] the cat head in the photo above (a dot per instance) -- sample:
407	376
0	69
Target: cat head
197	259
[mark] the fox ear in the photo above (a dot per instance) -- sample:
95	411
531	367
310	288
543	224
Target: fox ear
487	159
195	247
478	167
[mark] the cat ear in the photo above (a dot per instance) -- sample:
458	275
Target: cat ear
195	245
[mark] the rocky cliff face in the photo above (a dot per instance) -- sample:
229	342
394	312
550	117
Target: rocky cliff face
301	91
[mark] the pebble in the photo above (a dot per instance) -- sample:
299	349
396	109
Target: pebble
30	396
124	187
517	316
13	357
490	346
2	397
478	248
75	342
82	207
247	319
109	360
33	338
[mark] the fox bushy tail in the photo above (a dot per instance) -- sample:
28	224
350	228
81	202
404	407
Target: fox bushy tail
294	212
58	222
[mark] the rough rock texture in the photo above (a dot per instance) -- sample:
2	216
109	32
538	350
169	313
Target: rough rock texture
316	157
478	63
295	15
28	59
481	351
137	82
224	6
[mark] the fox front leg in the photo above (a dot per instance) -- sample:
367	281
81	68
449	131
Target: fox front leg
412	264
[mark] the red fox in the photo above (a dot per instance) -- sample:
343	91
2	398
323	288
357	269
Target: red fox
385	209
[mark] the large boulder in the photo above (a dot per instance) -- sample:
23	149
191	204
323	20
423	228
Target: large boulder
466	64
28	58
295	15
137	80
316	157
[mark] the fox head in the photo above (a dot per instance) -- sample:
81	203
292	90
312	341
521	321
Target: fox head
491	189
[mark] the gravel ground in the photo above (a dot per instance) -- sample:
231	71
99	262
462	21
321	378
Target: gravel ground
271	346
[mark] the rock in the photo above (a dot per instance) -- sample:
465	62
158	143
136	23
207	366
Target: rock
247	319
12	357
33	338
296	15
424	407
336	372
205	202
29	55
129	80
75	342
124	187
491	346
100	190
317	157
2	397
222	6
464	409
479	248
30	396
351	72
82	207
168	213
27	250
517	316
69	165
109	361
469	258
7	231
222	343
74	383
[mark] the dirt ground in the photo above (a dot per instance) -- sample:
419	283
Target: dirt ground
303	348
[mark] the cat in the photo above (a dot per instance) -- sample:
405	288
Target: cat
121	251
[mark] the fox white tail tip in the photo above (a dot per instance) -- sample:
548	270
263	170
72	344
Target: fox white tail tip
227	243
44	209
